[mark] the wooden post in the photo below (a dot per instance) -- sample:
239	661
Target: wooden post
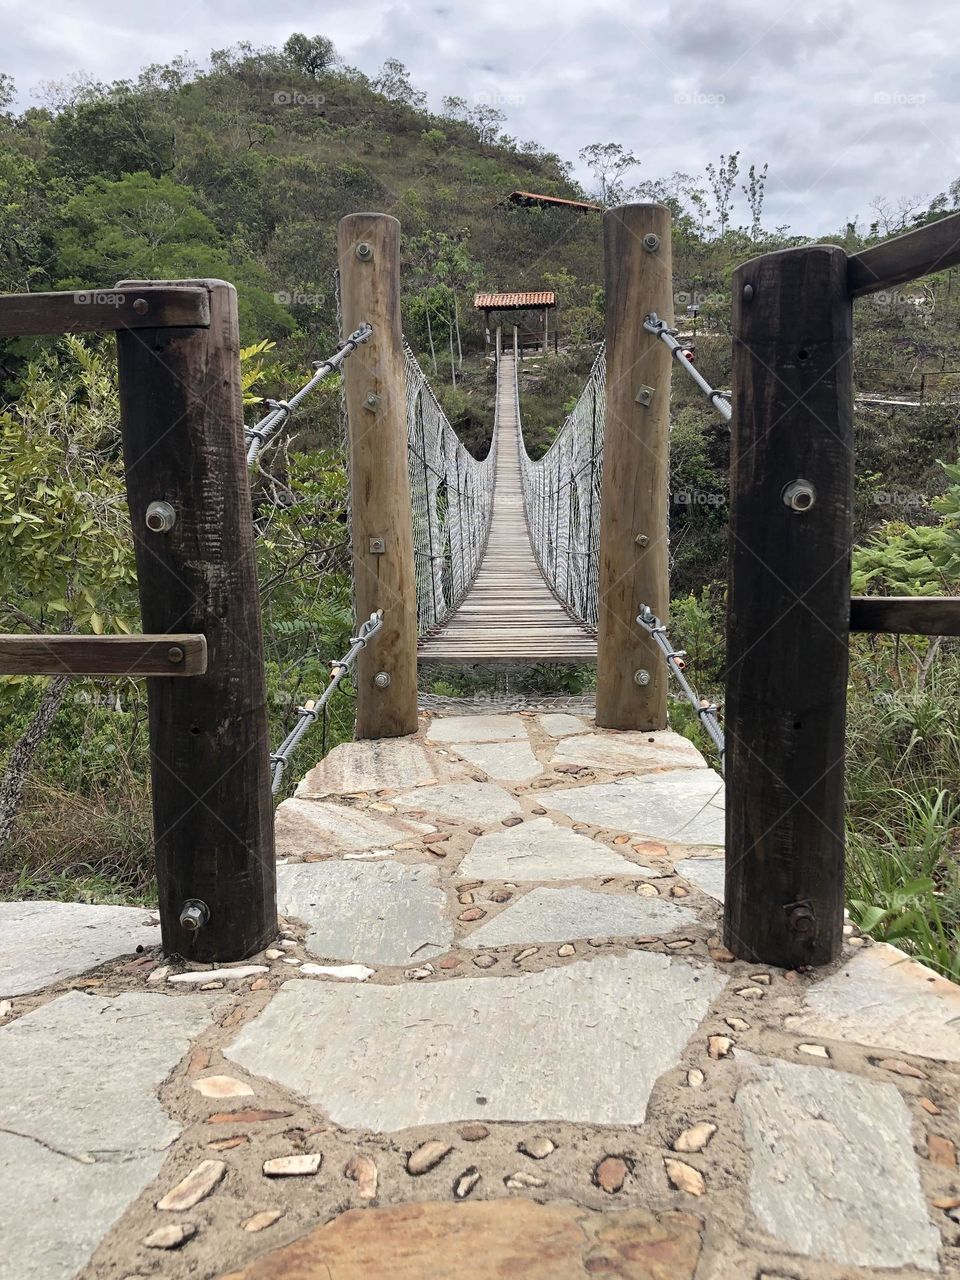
631	673
381	517
182	422
791	494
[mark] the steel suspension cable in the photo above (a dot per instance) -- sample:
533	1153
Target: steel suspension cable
280	410
660	329
311	711
706	711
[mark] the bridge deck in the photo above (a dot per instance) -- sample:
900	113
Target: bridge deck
509	614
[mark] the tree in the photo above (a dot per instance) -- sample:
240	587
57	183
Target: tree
394	83
486	119
7	90
66	550
723	180
608	162
310	54
754	189
143	228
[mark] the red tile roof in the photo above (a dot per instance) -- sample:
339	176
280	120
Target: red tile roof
504	301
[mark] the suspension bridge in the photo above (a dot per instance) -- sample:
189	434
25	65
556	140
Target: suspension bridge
507	559
559	961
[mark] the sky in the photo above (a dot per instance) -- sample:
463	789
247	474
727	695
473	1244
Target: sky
846	102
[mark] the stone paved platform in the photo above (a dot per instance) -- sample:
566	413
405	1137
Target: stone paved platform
496	1036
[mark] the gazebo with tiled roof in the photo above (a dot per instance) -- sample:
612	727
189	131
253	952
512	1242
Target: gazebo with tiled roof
541	300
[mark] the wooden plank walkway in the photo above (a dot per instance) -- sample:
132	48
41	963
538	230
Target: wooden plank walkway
509	615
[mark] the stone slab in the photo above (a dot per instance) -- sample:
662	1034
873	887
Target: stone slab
493	1240
560	724
371	766
833	1173
84	1129
684	806
468	801
454	729
45	942
559	1044
881	997
706	873
630	752
318	827
540	850
508	761
558	915
370	912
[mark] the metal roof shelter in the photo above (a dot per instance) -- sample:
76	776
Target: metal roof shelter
542	300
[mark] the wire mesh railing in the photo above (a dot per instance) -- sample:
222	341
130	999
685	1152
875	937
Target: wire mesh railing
561	498
452	499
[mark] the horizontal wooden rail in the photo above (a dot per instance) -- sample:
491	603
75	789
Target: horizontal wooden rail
158	655
931	248
103	310
908	615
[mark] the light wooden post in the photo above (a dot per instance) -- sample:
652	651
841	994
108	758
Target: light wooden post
631	673
381	517
182	420
791	502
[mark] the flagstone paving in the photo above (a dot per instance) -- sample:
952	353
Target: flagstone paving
497	1008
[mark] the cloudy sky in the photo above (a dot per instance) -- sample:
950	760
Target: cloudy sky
846	102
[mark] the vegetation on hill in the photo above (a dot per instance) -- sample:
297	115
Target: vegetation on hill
242	170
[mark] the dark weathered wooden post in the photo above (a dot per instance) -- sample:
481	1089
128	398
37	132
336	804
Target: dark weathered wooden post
791	493
631	674
189	499
380	511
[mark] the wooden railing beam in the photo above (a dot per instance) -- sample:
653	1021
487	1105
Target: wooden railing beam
908	257
906	615
147	306
134	656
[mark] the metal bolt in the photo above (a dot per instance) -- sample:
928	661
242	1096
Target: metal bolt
364	251
651	242
748	293
194	914
141	306
642	540
799	496
175	654
382	679
641	677
160	517
801	919
378	546
372	401
644	395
